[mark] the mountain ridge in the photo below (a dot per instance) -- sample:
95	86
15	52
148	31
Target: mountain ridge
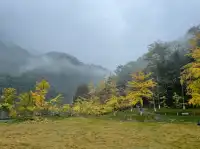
64	71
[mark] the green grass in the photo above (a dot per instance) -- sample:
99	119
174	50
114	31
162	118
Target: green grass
92	133
170	115
166	111
150	116
180	119
129	116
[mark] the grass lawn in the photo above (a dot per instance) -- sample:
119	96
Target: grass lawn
194	112
84	133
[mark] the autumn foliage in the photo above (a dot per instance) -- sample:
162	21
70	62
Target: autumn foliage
191	73
140	87
100	99
32	103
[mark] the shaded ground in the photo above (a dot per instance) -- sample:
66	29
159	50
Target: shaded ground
149	116
83	133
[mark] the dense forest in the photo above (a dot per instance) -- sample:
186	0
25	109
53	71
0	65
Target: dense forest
166	76
166	61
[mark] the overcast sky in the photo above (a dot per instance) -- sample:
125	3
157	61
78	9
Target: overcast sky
105	32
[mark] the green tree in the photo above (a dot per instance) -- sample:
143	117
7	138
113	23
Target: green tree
156	57
82	91
177	100
25	105
123	71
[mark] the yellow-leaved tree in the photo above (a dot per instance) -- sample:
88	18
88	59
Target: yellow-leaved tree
91	106
25	105
191	72
54	106
114	104
34	103
39	96
140	87
7	102
66	110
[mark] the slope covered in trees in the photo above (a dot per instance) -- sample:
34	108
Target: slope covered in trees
168	76
20	69
165	60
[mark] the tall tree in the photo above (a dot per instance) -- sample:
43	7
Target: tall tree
7	101
140	87
123	72
81	92
25	105
157	57
39	95
165	61
191	73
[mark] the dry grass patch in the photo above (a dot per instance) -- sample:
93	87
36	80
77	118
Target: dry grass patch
82	133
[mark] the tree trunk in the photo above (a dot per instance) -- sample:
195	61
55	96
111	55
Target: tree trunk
158	93
154	104
183	97
155	109
141	112
114	113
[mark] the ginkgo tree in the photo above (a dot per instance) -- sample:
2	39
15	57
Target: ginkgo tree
39	96
32	103
7	102
25	105
191	73
101	99
140	87
54	106
114	104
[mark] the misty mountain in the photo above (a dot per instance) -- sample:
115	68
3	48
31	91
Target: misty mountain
64	72
12	57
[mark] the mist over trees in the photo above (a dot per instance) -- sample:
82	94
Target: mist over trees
165	60
20	69
67	97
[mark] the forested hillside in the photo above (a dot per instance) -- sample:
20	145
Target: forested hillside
165	76
20	69
165	60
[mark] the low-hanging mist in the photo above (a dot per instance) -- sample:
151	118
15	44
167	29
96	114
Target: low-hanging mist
53	65
21	69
